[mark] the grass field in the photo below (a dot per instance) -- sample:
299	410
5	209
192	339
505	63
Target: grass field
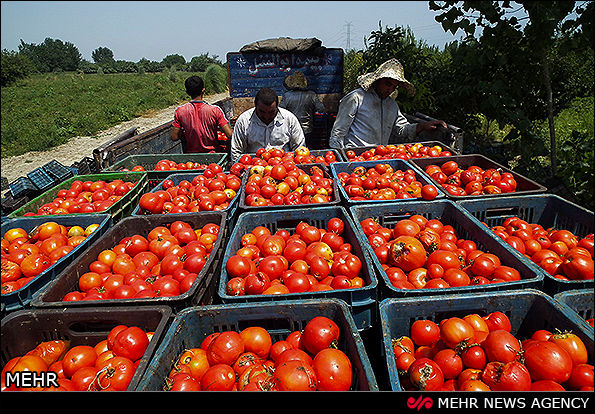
46	110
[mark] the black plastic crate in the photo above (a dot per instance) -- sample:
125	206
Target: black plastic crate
200	293
548	210
57	171
465	226
10	203
41	179
579	301
524	184
528	310
22	187
87	166
361	301
24	330
191	326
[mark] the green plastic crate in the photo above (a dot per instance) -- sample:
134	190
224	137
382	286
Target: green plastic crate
120	209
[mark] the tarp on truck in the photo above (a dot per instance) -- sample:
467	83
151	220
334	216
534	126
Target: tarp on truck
285	45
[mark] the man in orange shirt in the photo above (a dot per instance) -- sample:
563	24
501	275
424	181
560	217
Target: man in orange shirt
199	120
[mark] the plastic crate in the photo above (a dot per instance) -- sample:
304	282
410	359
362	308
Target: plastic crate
581	302
201	292
524	184
24	330
191	326
348	167
121	208
22	297
360	150
41	179
87	166
548	210
335	197
362	301
57	171
466	227
23	187
528	310
231	210
4	183
148	162
10	203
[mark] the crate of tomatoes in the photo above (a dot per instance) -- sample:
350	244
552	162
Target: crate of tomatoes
435	247
302	345
115	194
299	254
553	235
579	301
167	259
520	340
473	176
287	186
37	249
210	190
424	149
372	182
89	349
159	166
302	155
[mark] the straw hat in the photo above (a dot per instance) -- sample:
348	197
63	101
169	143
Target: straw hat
390	69
296	80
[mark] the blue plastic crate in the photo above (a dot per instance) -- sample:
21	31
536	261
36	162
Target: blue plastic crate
22	186
579	301
528	310
23	297
348	167
466	227
41	179
362	301
57	171
201	292
25	329
524	184
335	197
191	326
177	179
548	210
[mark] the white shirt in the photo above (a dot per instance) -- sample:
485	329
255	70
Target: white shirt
363	120
250	133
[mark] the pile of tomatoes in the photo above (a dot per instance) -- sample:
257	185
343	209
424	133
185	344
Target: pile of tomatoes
383	182
476	353
473	180
213	190
250	360
398	151
420	253
273	156
309	260
557	251
287	184
169	165
25	256
107	366
85	197
164	263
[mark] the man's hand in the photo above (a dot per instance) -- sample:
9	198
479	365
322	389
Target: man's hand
430	126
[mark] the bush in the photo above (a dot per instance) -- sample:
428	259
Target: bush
14	67
215	79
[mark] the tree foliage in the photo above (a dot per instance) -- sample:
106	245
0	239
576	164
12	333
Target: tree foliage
15	66
52	55
174	60
103	56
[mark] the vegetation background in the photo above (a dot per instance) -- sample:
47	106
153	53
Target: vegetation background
520	88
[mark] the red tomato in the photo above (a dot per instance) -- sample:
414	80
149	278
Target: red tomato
256	340
425	375
333	370
319	333
225	348
547	360
510	376
131	343
425	332
294	376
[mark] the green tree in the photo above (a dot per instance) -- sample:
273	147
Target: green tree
173	60
52	54
14	66
201	62
103	56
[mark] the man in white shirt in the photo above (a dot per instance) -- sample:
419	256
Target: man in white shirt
266	126
369	116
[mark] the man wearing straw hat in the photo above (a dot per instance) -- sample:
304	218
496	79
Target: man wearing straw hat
369	116
303	103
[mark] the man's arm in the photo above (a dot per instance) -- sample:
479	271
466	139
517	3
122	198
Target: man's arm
175	134
296	135
348	107
226	129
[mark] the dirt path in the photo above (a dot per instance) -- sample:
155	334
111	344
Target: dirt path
79	147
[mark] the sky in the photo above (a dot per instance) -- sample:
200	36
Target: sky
154	29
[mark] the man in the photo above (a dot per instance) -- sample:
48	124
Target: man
303	103
369	116
266	126
199	120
